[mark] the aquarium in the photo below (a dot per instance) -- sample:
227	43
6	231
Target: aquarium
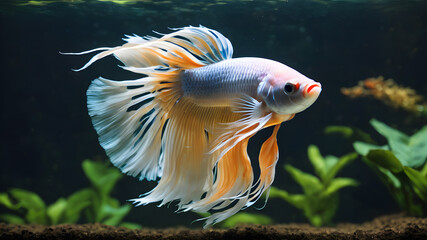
357	153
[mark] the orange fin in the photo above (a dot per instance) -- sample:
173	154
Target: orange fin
268	156
234	178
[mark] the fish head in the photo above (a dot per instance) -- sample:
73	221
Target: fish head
288	92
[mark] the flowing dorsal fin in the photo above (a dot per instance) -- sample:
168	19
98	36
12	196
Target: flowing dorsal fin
189	47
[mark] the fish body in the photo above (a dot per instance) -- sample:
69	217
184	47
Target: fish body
187	121
218	83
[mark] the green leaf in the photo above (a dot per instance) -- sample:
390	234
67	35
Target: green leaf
38	217
385	159
76	202
12	219
321	209
246	218
56	210
320	199
275	192
411	151
315	220
402	151
338	183
420	136
130	225
297	200
316	160
330	162
419	181
390	178
7	202
418	146
345	131
342	162
27	199
354	134
33	203
424	170
388	132
309	183
103	178
364	148
113	202
115	215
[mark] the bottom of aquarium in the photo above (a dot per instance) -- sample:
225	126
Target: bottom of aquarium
385	227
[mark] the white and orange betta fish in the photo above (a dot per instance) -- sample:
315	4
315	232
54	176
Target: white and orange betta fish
187	121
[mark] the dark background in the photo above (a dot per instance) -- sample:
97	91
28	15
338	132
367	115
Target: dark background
46	132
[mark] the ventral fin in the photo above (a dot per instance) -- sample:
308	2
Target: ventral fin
248	106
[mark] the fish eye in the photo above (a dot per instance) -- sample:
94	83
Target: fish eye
289	88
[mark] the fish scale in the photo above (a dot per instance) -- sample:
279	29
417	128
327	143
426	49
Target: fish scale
222	81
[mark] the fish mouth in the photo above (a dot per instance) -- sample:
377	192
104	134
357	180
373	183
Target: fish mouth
312	90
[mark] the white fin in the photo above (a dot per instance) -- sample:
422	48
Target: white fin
187	170
253	120
170	50
129	122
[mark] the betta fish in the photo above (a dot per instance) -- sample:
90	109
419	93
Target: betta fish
187	121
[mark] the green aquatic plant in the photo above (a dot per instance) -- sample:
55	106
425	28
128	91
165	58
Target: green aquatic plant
320	199
242	218
95	202
30	208
401	165
353	134
104	208
246	218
